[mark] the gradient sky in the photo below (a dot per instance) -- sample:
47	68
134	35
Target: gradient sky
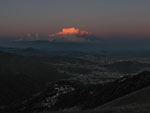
101	17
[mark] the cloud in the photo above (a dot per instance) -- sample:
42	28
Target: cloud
71	35
70	31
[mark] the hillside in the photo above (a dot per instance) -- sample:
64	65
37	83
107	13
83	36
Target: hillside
22	76
68	94
136	102
127	67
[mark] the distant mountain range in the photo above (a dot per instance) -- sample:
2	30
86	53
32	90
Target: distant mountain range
45	47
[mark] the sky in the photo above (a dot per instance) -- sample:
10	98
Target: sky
103	18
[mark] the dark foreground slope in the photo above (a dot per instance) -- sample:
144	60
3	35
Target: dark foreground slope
136	102
68	94
22	76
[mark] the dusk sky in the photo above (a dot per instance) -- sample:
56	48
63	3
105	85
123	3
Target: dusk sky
126	18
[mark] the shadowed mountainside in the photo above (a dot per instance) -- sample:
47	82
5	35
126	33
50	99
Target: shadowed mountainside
68	94
22	76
